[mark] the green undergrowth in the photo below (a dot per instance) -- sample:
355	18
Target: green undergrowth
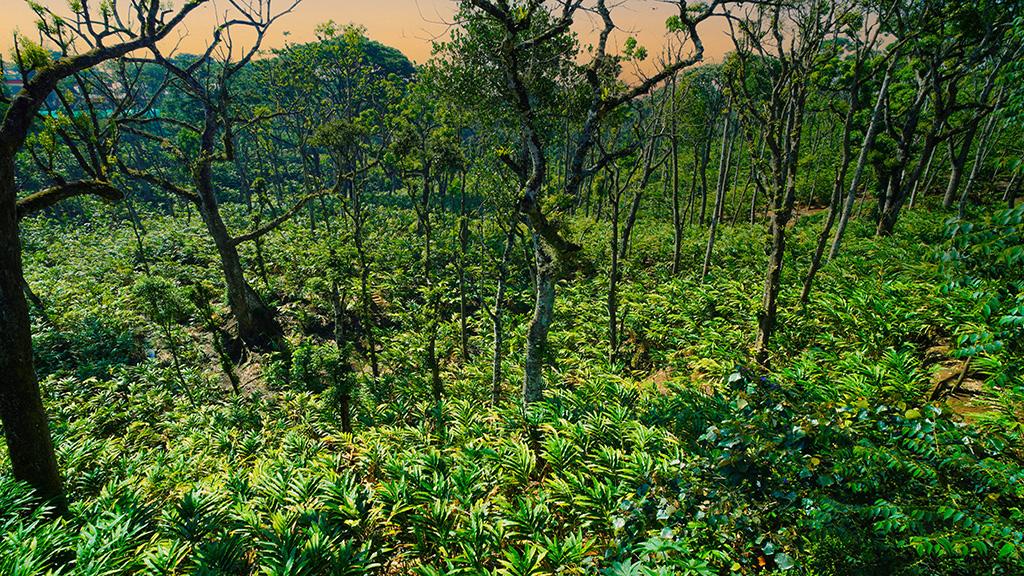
672	459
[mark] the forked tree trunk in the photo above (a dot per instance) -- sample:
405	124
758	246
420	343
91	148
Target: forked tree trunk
257	326
957	161
634	206
899	190
29	445
785	198
902	177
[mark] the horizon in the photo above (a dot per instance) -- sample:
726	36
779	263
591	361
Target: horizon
411	26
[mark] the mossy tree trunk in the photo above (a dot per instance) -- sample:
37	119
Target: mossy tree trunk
21	406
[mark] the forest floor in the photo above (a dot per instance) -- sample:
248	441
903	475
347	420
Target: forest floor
677	458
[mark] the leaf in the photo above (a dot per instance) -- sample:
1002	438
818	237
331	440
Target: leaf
783	561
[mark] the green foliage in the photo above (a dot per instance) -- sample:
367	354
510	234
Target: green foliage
30	56
984	266
662	463
161	300
672	456
317	367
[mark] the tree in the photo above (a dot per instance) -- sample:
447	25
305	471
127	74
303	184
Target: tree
778	46
501	43
21	408
944	43
428	151
202	146
344	117
849	68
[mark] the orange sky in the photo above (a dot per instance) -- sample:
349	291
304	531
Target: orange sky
409	25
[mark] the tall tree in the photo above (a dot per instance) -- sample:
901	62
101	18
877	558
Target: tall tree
778	46
200	147
21	408
849	69
429	155
945	42
335	96
504	42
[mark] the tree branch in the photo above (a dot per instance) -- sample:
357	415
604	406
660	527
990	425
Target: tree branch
43	199
281	219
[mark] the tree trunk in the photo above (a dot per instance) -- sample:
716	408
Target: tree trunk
677	225
723	171
753	204
496	315
341	339
37	303
815	138
138	231
540	324
257	326
899	190
677	215
957	161
979	160
772	284
365	302
785	197
630	223
463	254
704	157
837	188
634	208
1010	195
613	274
851	193
345	401
425	226
21	407
925	179
691	210
826	230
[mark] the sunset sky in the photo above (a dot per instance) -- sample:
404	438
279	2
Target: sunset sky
409	25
